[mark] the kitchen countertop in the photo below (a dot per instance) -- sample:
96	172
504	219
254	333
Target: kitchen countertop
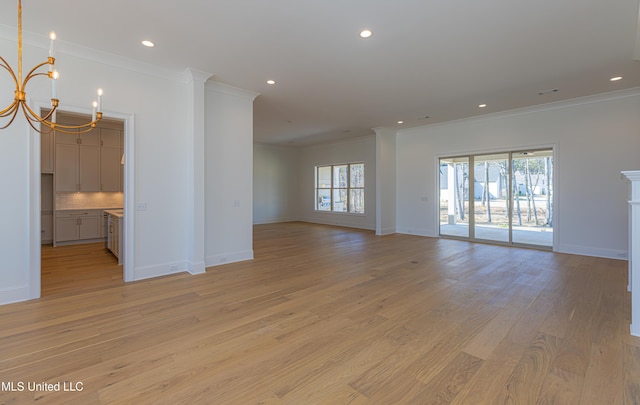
115	212
92	208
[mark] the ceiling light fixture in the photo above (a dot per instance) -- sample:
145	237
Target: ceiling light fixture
482	105
400	122
20	94
148	43
366	33
616	78
270	81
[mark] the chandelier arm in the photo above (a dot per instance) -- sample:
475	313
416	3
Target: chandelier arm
15	113
84	131
32	74
73	131
7	111
49	115
6	65
31	123
73	128
33	117
30	114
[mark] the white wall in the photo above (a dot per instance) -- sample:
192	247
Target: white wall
361	149
228	174
158	101
275	184
595	138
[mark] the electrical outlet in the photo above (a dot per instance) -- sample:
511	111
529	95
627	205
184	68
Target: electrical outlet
174	268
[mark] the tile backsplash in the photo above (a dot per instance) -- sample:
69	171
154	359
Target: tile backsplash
88	200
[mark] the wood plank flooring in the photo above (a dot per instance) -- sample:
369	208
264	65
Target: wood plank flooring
328	315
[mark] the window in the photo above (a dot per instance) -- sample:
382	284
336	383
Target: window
340	188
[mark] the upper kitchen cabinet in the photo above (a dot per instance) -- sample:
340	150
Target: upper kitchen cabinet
110	156
89	162
77	164
47	147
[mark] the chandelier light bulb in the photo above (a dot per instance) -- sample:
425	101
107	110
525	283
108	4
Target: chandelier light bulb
54	84
52	44
100	92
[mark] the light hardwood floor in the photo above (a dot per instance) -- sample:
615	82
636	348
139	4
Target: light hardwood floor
329	316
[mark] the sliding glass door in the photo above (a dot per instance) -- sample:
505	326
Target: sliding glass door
532	194
454	197
491	197
510	193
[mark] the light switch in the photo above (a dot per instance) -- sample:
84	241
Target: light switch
141	206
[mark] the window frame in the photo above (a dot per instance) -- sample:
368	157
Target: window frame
333	188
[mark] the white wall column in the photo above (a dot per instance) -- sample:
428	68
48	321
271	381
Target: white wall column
634	249
385	181
196	129
228	182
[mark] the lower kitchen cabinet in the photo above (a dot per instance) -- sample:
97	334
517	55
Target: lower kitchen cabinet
113	238
76	225
114	233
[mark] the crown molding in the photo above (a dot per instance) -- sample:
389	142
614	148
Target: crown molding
195	75
231	90
556	105
93	55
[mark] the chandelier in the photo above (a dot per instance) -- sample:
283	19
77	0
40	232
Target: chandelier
48	122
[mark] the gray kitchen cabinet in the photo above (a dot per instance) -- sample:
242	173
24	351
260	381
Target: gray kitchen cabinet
67	164
110	156
47	148
77	166
76	225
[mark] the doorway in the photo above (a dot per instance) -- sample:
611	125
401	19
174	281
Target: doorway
503	198
81	181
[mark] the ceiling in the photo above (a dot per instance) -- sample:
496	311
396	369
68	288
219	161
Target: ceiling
428	61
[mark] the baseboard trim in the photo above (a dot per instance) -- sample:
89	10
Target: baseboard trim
416	231
595	252
226	258
368	227
196	268
15	294
143	273
273	221
386	231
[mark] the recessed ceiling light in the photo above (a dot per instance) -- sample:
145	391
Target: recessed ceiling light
543	92
148	44
271	81
400	122
482	105
615	79
365	33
